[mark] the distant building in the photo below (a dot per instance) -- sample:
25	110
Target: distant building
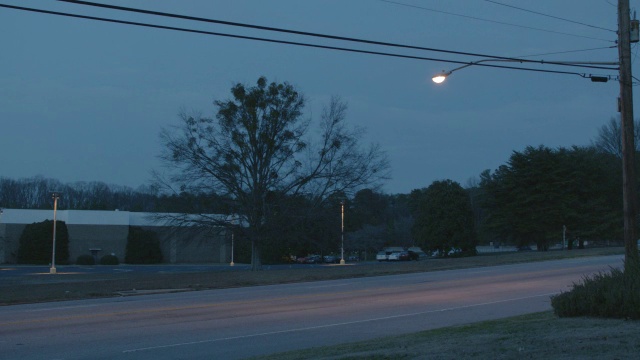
105	232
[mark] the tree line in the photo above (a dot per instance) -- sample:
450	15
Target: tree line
539	196
36	193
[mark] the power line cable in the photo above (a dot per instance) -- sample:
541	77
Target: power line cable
315	45
495	21
569	51
550	16
296	32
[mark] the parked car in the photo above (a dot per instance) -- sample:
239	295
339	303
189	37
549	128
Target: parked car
404	256
417	255
382	256
331	259
394	256
313	259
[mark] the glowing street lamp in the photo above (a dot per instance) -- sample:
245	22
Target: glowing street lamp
440	78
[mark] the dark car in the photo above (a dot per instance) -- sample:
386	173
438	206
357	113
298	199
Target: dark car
417	255
313	259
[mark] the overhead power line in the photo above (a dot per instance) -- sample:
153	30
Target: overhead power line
305	33
94	18
550	16
495	21
569	51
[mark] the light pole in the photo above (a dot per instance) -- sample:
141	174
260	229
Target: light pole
233	221
231	263
56	196
342	232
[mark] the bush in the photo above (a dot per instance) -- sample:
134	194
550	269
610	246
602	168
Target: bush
109	260
85	260
36	243
143	247
614	295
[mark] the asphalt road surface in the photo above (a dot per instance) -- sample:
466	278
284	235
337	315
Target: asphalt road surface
242	322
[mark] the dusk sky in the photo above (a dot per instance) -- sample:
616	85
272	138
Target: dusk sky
83	100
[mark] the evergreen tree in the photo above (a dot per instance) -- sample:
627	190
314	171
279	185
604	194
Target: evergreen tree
444	219
36	243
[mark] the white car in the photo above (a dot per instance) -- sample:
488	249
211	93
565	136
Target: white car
382	256
394	256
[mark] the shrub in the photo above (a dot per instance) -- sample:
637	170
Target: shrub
109	260
143	247
615	294
85	260
36	243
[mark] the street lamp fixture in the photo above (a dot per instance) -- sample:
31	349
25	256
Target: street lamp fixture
440	78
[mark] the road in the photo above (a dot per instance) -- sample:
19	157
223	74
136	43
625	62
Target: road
242	322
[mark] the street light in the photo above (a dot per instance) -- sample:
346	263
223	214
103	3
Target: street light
442	76
342	232
56	196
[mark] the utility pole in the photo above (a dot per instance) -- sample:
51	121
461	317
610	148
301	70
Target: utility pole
628	147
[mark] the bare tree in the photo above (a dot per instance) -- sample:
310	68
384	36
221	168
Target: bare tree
609	137
258	151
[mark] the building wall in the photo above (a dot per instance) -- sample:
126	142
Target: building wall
108	232
103	239
10	233
189	246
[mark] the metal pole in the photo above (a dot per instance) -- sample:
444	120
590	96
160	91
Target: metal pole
52	270
628	146
342	233
231	264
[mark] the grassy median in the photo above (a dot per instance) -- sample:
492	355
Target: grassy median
70	286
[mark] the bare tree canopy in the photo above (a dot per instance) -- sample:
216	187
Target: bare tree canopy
609	139
258	151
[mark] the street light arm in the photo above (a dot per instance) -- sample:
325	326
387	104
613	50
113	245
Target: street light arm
441	77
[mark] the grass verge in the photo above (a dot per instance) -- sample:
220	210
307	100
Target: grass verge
533	336
46	287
